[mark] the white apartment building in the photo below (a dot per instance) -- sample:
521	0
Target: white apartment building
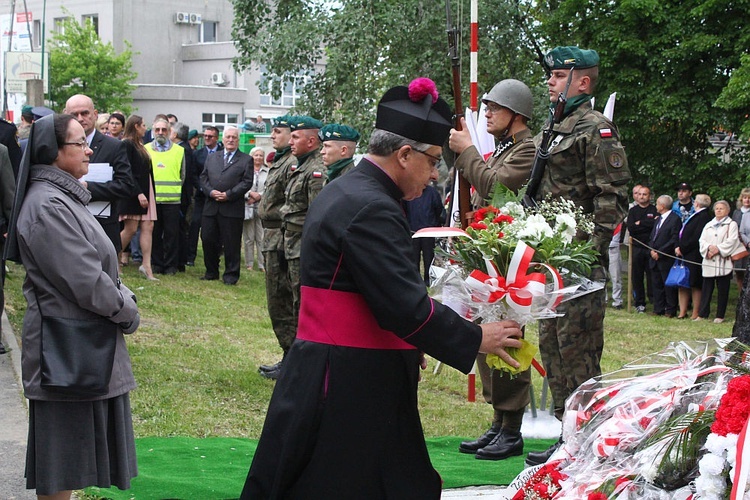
182	53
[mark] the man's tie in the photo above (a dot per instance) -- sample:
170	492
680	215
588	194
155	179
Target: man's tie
658	226
227	155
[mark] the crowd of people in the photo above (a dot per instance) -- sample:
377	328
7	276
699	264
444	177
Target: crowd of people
664	234
347	303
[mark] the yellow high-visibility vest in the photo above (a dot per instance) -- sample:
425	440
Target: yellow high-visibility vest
167	168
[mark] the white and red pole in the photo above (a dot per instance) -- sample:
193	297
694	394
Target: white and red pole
473	101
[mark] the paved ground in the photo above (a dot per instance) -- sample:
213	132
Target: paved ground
14	428
13	422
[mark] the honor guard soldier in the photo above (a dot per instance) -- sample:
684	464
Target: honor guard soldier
587	165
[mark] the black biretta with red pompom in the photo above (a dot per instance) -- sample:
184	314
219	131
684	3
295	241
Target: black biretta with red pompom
415	112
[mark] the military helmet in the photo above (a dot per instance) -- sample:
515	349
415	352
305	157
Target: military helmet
512	94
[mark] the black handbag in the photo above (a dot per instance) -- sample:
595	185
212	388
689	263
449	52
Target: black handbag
679	275
77	355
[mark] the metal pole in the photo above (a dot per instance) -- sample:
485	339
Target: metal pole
630	273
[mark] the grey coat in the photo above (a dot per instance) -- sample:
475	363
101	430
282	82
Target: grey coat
71	272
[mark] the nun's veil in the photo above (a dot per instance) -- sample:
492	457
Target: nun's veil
40	150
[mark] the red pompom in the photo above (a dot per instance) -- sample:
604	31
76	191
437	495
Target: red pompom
420	88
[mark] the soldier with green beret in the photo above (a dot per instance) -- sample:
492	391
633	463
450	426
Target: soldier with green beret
278	287
339	145
587	165
306	179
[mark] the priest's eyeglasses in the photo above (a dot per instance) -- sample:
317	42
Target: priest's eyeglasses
436	158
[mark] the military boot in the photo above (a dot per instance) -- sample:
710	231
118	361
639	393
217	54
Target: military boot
540	457
506	444
481	441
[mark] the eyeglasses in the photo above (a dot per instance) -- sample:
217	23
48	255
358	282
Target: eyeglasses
82	144
209	136
436	158
492	108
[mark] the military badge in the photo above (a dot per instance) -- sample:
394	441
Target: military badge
616	159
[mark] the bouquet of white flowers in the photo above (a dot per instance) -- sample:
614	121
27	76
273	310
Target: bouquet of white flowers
514	262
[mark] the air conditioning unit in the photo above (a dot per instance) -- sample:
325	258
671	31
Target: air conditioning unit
181	18
219	79
195	18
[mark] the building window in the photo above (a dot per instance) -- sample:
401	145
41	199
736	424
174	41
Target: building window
290	92
58	25
220	120
209	30
36	37
94	18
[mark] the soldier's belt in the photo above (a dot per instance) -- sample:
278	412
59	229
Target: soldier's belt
270	224
292	227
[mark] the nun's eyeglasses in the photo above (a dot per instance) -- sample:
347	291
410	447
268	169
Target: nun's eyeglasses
83	144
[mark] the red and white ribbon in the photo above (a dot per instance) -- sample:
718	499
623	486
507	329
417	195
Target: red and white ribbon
517	288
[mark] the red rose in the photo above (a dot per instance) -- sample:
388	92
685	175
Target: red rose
478	226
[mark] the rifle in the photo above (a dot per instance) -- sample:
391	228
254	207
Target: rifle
464	195
542	154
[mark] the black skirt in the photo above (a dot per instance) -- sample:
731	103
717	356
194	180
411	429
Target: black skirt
74	445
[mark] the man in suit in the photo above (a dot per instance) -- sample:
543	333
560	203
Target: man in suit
224	181
663	241
210	146
105	150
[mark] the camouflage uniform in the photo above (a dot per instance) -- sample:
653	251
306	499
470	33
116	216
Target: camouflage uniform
305	182
587	165
509	165
278	288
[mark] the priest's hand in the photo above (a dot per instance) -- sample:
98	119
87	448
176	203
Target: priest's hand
497	336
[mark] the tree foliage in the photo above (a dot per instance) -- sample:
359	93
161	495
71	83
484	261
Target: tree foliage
369	47
80	63
669	61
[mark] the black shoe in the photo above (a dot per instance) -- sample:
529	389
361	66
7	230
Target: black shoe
269	368
230	282
272	374
190	263
506	444
540	457
209	278
481	441
170	271
156	269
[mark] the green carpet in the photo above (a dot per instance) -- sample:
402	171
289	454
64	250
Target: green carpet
215	468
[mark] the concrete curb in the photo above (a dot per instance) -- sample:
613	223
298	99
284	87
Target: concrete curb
14	421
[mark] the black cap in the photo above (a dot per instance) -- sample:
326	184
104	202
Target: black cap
415	112
684	185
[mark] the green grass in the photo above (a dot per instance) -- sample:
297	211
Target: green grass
196	355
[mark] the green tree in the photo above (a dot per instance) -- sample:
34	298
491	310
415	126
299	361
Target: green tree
736	95
80	63
369	47
669	61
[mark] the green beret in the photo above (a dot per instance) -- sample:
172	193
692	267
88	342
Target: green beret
304	123
27	110
570	56
282	122
192	134
336	132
